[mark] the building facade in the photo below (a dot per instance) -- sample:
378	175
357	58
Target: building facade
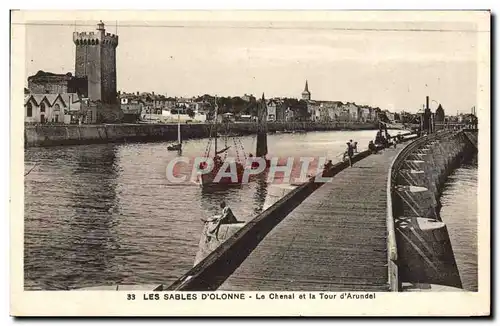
273	108
49	83
52	108
95	60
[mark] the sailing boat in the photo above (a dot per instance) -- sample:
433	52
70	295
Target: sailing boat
178	146
209	178
208	242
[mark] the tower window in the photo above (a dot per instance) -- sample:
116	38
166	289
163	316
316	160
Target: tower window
29	110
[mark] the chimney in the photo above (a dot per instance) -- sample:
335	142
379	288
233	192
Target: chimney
137	93
427	102
153	93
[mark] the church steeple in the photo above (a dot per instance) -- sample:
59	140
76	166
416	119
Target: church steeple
306	95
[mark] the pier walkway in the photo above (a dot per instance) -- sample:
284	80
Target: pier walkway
335	240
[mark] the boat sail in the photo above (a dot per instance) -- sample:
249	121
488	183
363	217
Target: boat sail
178	146
215	232
208	178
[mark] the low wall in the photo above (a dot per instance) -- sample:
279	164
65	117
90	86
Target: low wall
56	135
424	253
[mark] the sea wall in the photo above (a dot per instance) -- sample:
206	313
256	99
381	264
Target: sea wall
424	254
56	135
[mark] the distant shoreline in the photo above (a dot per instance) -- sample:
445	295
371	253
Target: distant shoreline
60	135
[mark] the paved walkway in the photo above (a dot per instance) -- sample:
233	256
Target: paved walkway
333	241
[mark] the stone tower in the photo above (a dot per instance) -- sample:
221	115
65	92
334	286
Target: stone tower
96	60
306	95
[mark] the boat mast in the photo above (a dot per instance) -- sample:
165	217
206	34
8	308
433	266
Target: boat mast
178	127
261	150
215	117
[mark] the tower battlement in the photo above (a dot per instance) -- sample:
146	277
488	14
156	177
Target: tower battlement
92	38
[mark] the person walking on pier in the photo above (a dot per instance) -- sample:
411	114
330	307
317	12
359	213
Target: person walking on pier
350	152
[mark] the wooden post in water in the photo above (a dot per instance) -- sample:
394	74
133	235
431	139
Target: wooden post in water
261	150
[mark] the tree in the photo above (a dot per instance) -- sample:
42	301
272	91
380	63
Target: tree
251	108
190	113
383	117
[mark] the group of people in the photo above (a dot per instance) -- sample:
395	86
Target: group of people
352	147
384	139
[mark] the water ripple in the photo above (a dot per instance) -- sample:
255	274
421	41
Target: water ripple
459	212
105	214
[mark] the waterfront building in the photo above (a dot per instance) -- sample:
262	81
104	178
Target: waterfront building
329	110
353	110
271	110
280	111
289	114
275	110
52	108
366	114
95	60
50	83
248	98
131	107
341	113
313	108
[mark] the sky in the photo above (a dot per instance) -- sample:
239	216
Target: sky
383	64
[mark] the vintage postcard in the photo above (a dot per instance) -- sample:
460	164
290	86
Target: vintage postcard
250	163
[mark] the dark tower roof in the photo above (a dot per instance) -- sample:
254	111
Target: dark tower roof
100	26
306	90
440	113
306	95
